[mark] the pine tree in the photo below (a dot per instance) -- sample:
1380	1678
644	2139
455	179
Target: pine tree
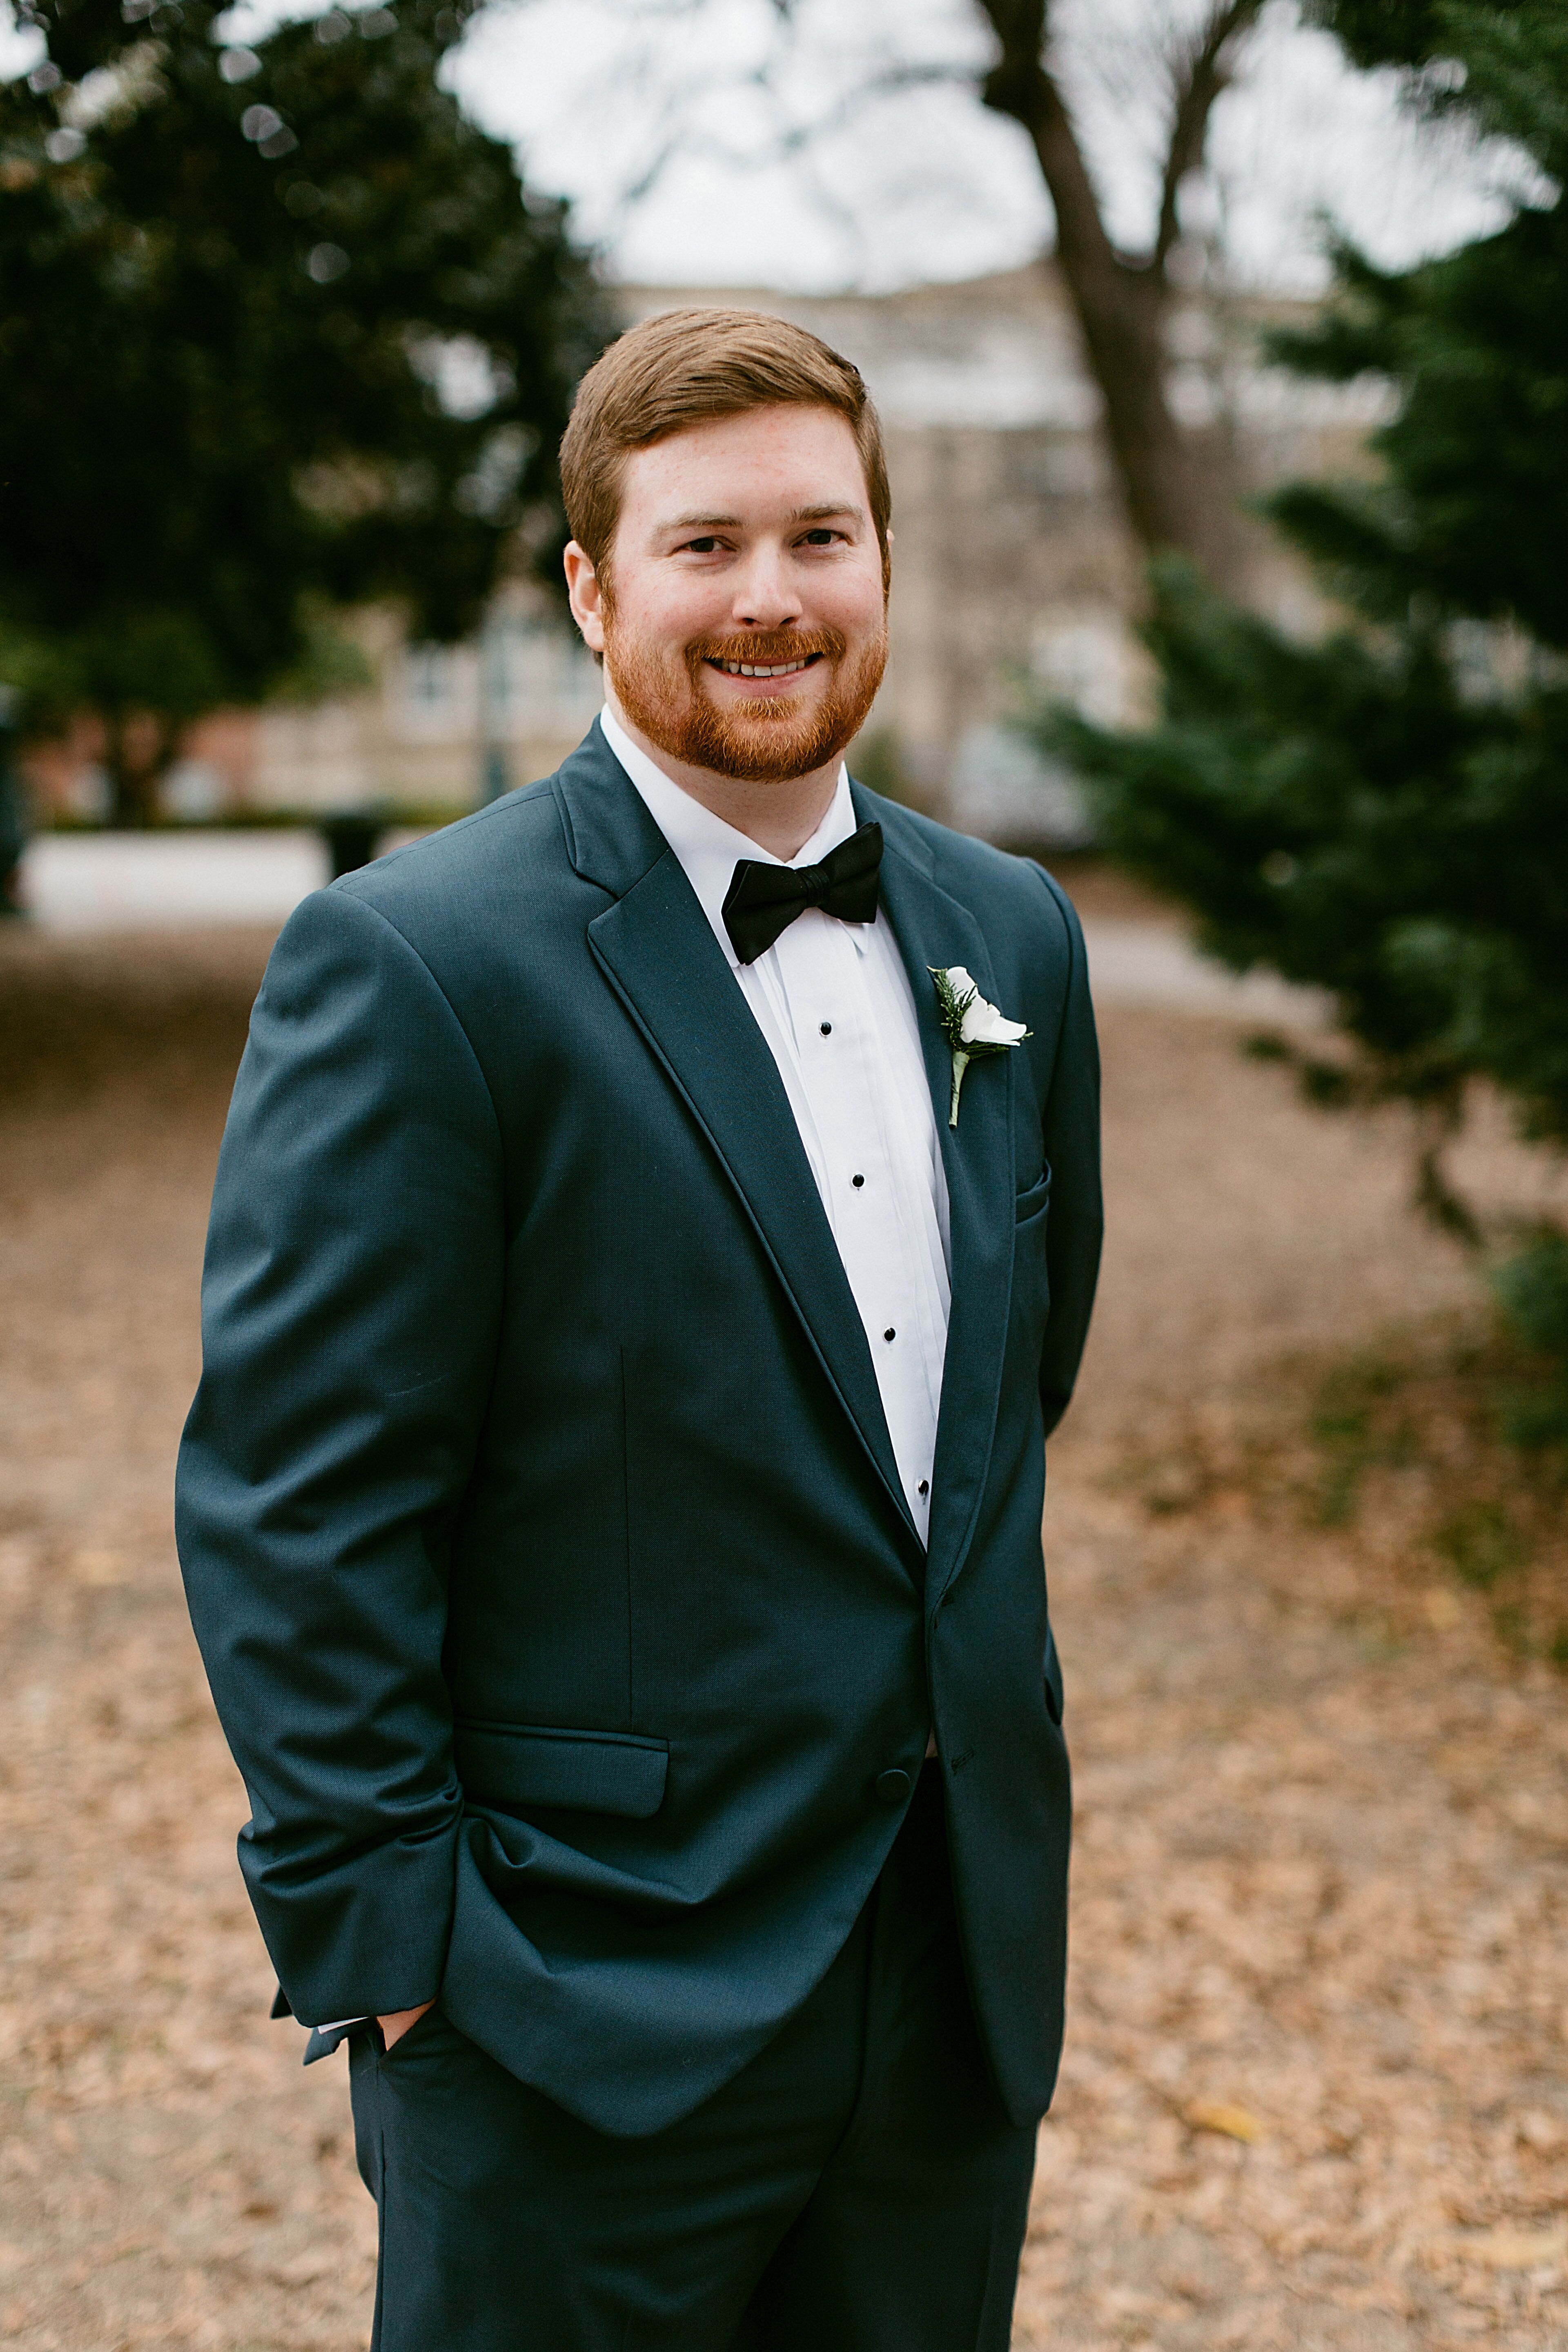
1384	814
237	285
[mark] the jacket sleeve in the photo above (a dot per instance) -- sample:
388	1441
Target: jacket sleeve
350	1308
1071	1125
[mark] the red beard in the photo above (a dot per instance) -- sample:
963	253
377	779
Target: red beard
768	738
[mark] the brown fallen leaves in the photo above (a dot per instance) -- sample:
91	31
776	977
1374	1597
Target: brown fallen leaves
1231	2123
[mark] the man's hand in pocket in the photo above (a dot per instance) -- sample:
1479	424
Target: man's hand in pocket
396	2022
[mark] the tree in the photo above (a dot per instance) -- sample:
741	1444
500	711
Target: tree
1384	812
279	332
1175	482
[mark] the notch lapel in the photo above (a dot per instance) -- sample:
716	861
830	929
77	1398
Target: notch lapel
659	955
931	928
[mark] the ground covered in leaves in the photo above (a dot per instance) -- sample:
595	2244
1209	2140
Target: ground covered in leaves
1315	2093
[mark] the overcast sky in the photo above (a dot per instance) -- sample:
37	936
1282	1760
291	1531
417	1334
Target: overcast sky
701	145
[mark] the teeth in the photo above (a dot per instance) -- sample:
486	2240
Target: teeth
752	669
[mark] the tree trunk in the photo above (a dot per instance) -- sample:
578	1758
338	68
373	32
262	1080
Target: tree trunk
139	749
1177	487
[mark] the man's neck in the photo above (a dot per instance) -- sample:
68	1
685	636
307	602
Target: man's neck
779	815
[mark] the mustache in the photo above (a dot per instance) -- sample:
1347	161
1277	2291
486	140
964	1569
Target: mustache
765	648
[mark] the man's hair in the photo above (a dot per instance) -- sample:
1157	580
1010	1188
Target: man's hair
685	368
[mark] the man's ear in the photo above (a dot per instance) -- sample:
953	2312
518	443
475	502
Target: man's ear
585	596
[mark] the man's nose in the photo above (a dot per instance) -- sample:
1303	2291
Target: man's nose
765	597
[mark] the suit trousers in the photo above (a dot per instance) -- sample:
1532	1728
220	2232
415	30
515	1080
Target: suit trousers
855	2186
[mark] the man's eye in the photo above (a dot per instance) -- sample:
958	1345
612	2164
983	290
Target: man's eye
701	546
821	538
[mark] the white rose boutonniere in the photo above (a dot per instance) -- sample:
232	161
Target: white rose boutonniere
973	1027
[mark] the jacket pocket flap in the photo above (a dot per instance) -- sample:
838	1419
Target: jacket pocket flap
522	1765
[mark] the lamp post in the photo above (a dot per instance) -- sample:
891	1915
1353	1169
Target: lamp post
495	679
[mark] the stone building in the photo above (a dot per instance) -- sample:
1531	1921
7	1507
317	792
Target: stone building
1013	572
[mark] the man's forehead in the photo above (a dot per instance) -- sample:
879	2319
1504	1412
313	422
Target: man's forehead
792	463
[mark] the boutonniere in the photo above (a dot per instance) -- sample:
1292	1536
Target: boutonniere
973	1027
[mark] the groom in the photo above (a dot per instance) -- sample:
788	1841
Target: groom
611	1509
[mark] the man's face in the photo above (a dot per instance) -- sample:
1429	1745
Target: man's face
748	541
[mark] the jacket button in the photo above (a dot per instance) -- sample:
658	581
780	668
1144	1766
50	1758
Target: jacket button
893	1786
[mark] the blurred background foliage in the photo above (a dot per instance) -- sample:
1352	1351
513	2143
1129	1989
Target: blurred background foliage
1383	813
281	331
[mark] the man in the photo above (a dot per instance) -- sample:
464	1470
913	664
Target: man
611	1510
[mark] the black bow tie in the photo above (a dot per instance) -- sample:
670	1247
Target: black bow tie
764	900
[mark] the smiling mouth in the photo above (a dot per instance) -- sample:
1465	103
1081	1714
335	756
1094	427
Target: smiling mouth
764	669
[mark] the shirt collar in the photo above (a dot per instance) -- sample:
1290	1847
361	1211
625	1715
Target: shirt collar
707	847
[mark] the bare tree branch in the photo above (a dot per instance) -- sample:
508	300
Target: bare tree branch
1201	72
1020	84
794	142
1175	495
651	172
851	107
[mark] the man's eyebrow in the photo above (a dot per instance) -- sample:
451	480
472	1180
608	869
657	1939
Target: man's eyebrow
701	522
824	513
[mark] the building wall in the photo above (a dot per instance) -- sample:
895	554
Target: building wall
446	725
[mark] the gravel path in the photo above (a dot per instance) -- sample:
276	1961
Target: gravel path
1315	2092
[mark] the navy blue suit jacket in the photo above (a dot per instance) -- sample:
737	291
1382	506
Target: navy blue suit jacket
537	1515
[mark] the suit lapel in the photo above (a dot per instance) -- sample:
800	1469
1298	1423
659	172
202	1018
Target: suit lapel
931	928
656	948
